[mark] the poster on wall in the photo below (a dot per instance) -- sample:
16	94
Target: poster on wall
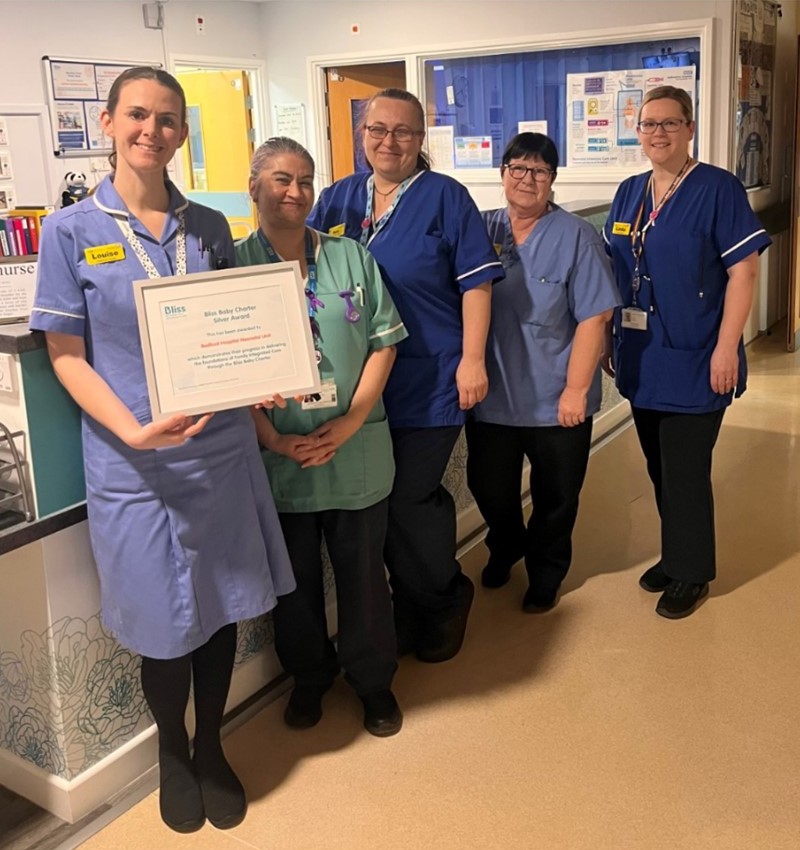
77	90
756	22
602	110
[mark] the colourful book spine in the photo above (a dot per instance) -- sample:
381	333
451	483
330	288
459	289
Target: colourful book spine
33	230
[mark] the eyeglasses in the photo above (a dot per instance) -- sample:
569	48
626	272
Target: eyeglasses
670	125
540	175
400	134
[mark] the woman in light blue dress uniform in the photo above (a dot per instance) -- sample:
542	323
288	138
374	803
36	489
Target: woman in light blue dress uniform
183	526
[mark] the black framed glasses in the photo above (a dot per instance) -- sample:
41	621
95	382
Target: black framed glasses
670	125
539	174
400	134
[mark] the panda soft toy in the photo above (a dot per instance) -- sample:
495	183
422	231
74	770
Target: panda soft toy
76	188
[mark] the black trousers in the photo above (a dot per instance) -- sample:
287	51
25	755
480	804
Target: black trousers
558	458
678	449
366	639
420	550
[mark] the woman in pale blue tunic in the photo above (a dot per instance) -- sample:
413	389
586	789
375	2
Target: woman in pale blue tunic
183	527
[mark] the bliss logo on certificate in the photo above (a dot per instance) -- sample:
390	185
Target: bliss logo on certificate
224	339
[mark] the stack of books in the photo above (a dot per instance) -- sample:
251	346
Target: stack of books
20	229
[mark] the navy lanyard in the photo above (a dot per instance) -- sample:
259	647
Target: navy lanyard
311	290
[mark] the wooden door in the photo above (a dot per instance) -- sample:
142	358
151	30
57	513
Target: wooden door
348	88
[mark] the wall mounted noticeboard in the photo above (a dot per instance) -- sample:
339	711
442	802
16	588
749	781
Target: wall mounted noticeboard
76	91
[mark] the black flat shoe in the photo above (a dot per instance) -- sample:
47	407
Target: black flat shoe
535	602
444	634
180	800
654	580
382	715
304	708
680	599
224	798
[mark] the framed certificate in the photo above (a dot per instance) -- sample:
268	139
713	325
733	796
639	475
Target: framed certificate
223	339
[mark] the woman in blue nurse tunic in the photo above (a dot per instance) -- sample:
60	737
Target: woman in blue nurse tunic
684	243
543	359
183	528
436	260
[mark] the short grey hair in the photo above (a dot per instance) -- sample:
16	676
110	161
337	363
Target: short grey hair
276	146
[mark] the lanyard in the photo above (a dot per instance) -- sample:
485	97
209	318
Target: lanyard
639	234
366	224
138	249
311	290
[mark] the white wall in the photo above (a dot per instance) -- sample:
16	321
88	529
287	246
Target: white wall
106	30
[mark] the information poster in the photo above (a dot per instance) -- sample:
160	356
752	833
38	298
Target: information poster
77	91
602	111
757	37
473	151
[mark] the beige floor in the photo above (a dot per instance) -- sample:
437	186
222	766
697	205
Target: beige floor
598	725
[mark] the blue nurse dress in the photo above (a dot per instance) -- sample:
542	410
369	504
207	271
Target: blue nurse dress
433	249
186	538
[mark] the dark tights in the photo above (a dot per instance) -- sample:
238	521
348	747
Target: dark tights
165	683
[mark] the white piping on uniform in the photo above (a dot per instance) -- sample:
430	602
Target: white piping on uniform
479	269
388	331
739	244
57	313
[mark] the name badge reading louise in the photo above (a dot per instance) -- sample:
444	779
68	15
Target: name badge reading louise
621	228
634	319
104	254
336	230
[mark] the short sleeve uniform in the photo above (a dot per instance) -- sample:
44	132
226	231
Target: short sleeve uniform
186	538
433	249
362	471
704	229
559	277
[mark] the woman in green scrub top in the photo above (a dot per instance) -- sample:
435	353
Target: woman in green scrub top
329	457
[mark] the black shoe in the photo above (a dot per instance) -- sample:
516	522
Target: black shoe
654	580
180	800
382	715
535	602
224	799
680	599
304	708
444	633
495	575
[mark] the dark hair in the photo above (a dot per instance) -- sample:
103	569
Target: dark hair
423	163
274	147
142	72
529	145
680	96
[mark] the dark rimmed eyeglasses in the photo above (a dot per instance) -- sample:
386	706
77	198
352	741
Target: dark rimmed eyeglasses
670	125
400	134
540	175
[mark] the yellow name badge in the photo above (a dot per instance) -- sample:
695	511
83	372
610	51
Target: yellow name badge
621	228
336	230
104	254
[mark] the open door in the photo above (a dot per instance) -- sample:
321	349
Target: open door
793	325
216	156
348	88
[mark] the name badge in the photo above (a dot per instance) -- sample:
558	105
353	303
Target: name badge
498	248
336	230
634	319
621	228
326	397
104	254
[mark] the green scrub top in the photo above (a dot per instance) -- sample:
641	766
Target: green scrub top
362	471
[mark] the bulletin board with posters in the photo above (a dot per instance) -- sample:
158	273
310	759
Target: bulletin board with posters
756	36
76	92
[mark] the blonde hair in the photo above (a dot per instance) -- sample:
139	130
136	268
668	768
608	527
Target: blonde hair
680	96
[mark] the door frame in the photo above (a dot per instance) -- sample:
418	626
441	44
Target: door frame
257	70
317	65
